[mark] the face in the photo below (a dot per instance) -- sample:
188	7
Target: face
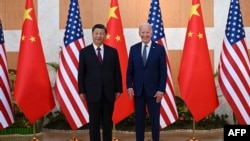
145	32
98	36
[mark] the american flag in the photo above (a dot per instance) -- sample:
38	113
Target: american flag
6	113
168	111
74	109
234	67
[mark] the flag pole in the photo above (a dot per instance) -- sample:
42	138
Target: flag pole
235	119
193	138
34	132
114	130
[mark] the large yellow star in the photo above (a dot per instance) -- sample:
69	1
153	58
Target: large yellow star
194	10
27	14
112	12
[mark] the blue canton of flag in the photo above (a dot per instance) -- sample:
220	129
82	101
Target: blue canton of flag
1	33
234	28
156	21
74	26
168	110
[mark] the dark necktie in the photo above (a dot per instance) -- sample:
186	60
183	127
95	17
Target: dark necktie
99	55
144	54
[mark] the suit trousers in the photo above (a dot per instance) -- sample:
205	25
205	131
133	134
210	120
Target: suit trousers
141	103
100	113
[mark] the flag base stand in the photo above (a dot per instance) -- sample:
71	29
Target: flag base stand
193	139
74	138
34	139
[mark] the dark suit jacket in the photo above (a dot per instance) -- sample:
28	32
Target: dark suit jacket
153	75
93	77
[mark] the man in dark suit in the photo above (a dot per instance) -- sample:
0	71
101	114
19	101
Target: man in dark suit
146	81
100	83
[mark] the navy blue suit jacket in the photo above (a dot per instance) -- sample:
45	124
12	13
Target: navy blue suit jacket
153	75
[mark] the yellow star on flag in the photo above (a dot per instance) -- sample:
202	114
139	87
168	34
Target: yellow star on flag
112	12
32	39
118	38
200	35
27	14
194	10
23	37
190	34
108	36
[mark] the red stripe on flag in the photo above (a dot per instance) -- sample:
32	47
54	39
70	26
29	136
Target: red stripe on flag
168	111
172	116
236	93
74	109
71	91
234	67
6	114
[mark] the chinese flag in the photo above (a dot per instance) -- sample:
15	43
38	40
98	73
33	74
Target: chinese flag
33	92
195	78
124	106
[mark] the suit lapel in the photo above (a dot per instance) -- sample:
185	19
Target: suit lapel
105	54
139	53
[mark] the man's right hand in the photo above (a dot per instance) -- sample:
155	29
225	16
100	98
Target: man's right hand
131	93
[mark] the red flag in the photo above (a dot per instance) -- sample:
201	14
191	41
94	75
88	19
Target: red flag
195	78
66	89
6	113
234	67
33	92
168	110
124	106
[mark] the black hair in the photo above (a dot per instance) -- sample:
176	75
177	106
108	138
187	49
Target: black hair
101	26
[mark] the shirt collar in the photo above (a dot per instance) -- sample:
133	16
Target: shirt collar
148	44
95	46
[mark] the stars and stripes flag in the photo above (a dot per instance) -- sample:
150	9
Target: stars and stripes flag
234	67
33	92
66	88
196	79
6	113
115	38
168	111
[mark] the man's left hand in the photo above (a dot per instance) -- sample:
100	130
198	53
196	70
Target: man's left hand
158	96
117	95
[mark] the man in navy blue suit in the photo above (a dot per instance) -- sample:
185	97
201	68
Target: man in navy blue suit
146	81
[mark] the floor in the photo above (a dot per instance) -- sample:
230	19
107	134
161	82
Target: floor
173	135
